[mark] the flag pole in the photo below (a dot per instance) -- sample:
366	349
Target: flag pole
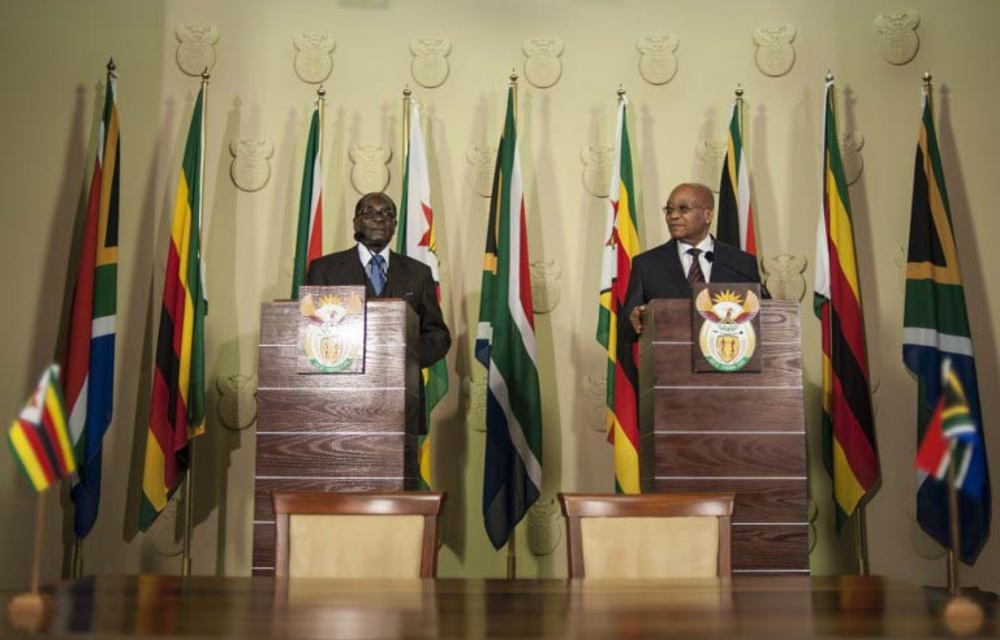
189	481
739	111
407	102
76	565
512	540
25	609
954	553
321	107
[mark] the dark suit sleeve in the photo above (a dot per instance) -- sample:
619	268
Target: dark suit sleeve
751	267
435	339
314	275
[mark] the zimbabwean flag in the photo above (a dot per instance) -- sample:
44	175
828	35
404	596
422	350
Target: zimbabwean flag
177	413
848	426
621	243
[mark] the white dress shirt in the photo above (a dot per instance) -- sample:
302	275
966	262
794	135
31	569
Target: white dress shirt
706	245
366	256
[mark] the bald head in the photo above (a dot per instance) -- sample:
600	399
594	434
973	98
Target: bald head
689	212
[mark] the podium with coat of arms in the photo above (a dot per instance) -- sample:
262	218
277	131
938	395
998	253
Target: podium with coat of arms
708	421
333	415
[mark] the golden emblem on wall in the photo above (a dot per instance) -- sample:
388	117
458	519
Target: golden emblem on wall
727	339
775	54
898	32
251	169
657	61
542	67
597	160
314	58
481	159
370	170
430	63
196	51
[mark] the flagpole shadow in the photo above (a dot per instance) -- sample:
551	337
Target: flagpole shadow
448	420
594	462
60	257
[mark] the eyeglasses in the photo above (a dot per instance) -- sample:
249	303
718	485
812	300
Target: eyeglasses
681	209
371	214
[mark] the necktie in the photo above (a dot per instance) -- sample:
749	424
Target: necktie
695	274
376	273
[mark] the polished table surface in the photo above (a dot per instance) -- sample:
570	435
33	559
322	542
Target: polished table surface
742	607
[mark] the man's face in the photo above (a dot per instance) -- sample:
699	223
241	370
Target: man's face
687	216
375	223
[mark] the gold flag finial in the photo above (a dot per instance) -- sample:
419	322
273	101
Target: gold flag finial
829	76
205	75
739	92
513	76
406	92
927	78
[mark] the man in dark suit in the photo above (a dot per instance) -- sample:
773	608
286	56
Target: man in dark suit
387	274
692	255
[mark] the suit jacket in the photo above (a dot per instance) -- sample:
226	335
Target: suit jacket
406	278
658	273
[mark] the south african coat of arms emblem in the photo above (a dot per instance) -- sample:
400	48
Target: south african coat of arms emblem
727	338
331	331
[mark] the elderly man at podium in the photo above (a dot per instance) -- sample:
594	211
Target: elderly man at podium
387	274
669	270
691	256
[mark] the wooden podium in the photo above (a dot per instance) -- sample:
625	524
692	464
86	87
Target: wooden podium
334	432
740	432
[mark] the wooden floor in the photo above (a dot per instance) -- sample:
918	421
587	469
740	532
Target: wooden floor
759	607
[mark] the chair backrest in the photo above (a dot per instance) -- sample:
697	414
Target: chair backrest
653	535
356	535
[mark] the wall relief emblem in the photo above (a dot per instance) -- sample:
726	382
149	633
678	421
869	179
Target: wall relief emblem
165	534
711	154
597	160
898	33
545	285
657	61
430	63
371	168
251	167
595	400
474	400
237	406
775	54
544	530
783	276
196	51
850	152
481	159
314	56
542	67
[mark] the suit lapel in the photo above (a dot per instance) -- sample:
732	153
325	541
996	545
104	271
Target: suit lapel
675	272
394	277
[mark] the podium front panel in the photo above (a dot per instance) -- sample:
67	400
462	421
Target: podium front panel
742	432
334	432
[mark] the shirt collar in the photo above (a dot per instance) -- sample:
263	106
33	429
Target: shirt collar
366	255
706	245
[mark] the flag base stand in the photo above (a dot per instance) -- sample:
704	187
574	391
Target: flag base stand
26	611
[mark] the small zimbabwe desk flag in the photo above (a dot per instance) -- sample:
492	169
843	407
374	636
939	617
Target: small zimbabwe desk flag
177	412
38	436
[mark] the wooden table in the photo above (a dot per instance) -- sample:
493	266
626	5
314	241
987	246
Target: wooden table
759	607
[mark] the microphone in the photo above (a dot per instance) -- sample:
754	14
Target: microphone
751	277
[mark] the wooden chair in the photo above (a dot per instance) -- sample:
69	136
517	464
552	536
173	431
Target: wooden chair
356	535
654	535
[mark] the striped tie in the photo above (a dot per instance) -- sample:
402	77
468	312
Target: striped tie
376	273
694	273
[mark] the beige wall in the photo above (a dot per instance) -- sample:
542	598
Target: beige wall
52	56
